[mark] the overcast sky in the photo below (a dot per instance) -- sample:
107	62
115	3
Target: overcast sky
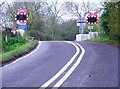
60	1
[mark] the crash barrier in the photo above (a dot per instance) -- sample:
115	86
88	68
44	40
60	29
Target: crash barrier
82	37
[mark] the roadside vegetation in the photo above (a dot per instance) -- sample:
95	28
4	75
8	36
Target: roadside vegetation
105	39
109	25
19	51
14	47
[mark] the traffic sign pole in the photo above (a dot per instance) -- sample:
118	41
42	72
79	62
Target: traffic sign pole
90	27
92	18
80	23
90	33
21	19
81	28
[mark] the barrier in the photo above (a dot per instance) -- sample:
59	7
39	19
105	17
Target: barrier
83	37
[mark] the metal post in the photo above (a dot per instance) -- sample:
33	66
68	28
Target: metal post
79	30
90	34
82	30
80	22
81	26
6	38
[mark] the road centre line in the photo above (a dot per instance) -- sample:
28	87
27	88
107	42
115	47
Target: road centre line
24	56
61	81
46	84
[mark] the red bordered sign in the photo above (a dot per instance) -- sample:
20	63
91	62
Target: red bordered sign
21	15
92	18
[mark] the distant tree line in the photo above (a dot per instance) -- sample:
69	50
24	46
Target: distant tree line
45	20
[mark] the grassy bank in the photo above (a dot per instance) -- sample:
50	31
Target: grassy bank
6	57
106	40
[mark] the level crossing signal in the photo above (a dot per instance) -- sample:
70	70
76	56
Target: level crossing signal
21	15
92	19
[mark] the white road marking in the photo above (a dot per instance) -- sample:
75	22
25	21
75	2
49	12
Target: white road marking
24	56
46	84
60	82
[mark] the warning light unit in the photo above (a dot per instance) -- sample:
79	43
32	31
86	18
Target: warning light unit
21	15
92	18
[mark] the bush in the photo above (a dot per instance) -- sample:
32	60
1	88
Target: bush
21	50
46	37
110	20
40	35
12	43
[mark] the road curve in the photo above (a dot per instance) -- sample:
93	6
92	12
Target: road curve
98	67
34	70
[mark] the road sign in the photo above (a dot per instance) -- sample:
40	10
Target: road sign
21	15
81	21
90	27
23	23
78	24
92	18
23	27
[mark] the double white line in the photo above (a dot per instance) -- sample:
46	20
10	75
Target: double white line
61	81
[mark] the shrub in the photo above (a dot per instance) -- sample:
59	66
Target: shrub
21	50
12	43
110	20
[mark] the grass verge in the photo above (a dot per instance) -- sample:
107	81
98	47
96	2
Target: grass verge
18	52
106	40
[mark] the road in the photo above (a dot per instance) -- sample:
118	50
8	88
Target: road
64	64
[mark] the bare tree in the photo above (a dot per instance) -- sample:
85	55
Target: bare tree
54	14
3	15
83	8
77	9
101	6
73	8
55	9
86	7
2	3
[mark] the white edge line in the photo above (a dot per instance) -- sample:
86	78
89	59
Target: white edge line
24	56
60	82
46	84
